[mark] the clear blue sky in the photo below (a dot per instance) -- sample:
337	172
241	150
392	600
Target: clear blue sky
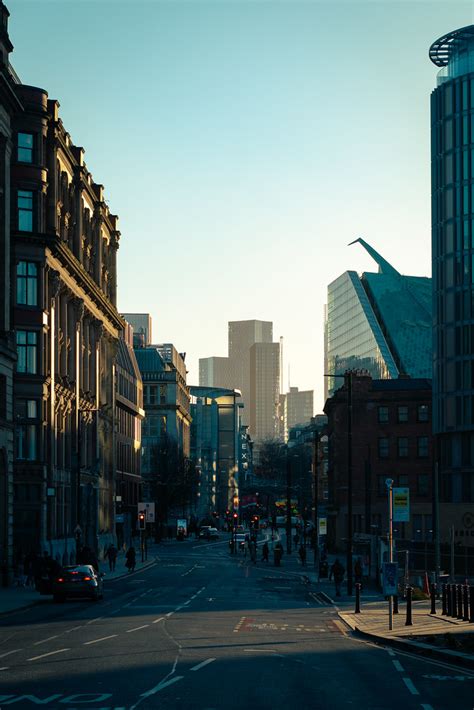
243	146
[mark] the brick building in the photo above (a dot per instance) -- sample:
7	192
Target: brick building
391	438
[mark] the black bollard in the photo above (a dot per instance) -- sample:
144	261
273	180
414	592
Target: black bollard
465	599
454	611
433	599
395	604
471	605
357	588
459	615
408	621
444	610
448	599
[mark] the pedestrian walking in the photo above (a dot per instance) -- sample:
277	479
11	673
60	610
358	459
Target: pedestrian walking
277	553
302	554
337	571
111	555
265	551
130	558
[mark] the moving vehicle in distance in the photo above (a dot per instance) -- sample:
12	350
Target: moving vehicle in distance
78	581
206	532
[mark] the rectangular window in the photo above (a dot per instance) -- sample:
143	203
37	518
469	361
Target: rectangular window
27	351
27	283
423	413
383	414
26	430
422	446
402	446
25	211
402	414
383	447
25	147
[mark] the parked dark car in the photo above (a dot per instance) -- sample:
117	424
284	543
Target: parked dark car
78	581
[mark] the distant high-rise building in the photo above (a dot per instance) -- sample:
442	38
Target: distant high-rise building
215	372
264	390
452	190
379	322
141	324
299	406
242	335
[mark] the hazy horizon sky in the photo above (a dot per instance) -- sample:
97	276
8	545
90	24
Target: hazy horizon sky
243	145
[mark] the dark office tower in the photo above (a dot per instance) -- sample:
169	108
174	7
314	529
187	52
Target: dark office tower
452	160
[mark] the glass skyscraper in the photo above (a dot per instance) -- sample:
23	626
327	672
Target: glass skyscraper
379	322
452	160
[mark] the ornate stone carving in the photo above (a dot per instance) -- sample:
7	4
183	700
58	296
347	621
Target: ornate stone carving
79	308
55	283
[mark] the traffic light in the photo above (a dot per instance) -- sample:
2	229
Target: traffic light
142	520
236	518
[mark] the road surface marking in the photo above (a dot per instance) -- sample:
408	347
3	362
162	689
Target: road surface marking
170	613
161	686
157	620
398	666
188	602
410	686
116	611
390	653
51	653
5	668
104	638
9	653
96	619
74	629
201	665
178	608
137	628
427	707
37	643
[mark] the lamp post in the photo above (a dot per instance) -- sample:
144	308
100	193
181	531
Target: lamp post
288	502
389	484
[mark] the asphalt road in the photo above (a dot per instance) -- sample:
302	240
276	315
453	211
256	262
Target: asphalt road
201	630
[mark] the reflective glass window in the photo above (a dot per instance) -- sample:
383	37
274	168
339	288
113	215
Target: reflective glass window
25	147
422	446
383	414
383	447
27	283
25	210
465	95
423	484
27	351
402	414
448	135
465	130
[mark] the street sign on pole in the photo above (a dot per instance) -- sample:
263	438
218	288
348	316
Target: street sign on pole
401	505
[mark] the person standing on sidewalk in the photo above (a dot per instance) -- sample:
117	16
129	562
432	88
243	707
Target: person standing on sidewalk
302	554
130	559
265	551
337	571
111	555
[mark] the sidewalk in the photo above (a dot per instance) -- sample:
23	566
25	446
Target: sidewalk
436	636
18	598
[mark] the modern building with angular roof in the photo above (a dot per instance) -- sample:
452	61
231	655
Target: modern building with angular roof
379	322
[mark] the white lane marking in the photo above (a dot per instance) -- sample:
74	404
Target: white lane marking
188	602
37	643
398	666
259	650
51	653
390	653
4	668
74	629
201	665
427	707
116	611
96	619
170	613
157	620
178	608
137	628
104	638
161	686
9	653
410	686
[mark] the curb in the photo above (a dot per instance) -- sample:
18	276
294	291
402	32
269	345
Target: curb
415	647
30	605
145	566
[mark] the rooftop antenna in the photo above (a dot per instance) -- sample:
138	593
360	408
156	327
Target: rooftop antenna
289	377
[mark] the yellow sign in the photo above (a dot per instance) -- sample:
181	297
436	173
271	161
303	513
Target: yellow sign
401	505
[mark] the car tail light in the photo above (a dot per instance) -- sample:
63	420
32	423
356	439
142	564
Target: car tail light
87	579
60	579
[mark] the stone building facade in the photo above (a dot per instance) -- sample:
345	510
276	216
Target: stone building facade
9	106
64	245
